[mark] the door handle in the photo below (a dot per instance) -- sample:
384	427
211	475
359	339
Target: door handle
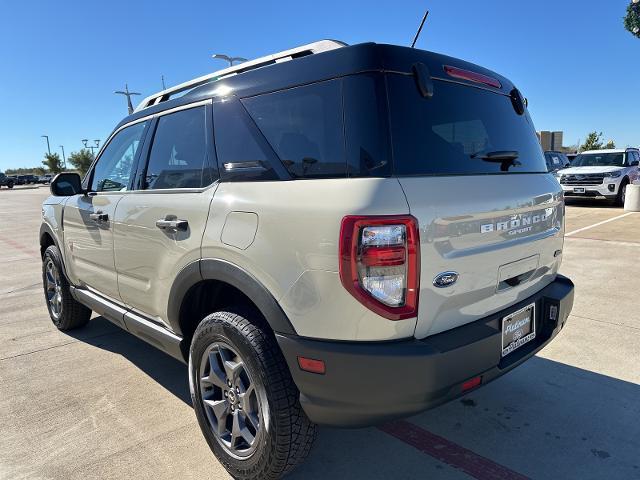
172	224
99	216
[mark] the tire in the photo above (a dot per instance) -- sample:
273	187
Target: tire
621	193
262	384
65	311
10	185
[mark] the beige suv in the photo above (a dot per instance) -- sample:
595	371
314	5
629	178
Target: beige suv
336	235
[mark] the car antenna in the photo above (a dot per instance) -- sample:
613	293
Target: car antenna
415	39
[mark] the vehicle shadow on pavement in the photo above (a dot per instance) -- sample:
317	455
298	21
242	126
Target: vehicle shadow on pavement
582	424
164	369
589	202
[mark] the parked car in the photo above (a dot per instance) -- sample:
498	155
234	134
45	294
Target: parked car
6	181
555	160
304	277
28	179
601	173
45	179
16	180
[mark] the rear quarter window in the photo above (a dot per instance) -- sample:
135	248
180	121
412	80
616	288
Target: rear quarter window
303	125
449	133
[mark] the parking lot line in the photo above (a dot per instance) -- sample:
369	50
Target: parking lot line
598	224
448	452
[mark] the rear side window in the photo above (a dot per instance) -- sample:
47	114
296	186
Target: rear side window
303	125
459	131
243	153
178	157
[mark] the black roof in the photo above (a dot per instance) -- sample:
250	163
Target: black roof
360	58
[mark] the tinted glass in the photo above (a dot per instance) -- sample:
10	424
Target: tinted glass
599	160
366	126
178	155
303	125
242	152
458	131
113	170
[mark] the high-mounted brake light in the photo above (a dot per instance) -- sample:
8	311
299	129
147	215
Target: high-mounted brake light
380	263
476	77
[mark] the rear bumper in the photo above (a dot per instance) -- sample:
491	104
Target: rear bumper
370	382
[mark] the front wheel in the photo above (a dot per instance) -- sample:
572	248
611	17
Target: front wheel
65	311
244	398
622	193
10	185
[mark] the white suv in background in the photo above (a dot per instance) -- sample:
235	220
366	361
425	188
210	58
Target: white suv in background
601	173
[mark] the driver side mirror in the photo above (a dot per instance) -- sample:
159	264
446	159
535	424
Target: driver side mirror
66	185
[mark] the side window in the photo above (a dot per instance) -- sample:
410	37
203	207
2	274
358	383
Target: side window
635	157
178	156
243	154
114	168
303	125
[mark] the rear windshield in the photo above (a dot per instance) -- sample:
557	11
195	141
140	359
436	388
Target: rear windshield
461	130
599	160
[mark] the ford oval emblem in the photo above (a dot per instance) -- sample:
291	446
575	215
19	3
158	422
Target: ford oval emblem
445	279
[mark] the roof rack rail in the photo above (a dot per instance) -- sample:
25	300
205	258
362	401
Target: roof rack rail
309	49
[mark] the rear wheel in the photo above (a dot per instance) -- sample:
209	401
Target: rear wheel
65	311
244	398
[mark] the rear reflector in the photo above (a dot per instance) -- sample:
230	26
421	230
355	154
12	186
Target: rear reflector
471	384
311	365
476	77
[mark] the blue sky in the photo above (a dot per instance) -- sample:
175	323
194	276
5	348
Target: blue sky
62	60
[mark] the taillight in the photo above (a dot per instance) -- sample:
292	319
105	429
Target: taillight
380	263
476	77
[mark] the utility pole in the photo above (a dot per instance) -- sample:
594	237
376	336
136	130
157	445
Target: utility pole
64	160
164	87
222	56
48	147
127	94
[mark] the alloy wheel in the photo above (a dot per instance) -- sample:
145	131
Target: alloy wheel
53	288
235	405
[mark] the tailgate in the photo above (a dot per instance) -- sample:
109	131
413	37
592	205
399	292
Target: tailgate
500	233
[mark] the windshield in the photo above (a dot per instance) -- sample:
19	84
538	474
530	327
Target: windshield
461	130
599	160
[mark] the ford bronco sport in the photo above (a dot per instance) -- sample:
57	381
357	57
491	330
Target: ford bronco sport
336	235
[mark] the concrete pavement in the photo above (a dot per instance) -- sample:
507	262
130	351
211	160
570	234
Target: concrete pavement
99	403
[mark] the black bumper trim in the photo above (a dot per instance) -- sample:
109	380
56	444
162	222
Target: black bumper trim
371	382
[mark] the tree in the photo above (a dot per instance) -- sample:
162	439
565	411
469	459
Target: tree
52	162
610	144
593	142
81	160
632	18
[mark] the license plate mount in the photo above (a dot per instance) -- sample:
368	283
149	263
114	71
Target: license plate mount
578	190
518	329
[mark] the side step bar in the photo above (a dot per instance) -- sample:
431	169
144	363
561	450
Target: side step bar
140	327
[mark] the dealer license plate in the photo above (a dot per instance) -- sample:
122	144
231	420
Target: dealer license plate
518	329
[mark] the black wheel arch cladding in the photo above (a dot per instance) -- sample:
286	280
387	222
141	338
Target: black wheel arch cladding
227	272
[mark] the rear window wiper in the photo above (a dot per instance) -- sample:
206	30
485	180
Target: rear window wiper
506	158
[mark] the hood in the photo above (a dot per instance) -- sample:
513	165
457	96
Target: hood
584	170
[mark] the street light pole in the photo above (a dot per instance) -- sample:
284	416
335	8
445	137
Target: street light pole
64	160
227	58
48	147
127	94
